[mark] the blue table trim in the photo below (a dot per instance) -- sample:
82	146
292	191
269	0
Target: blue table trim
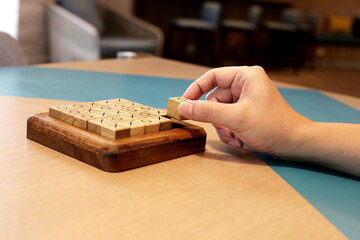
335	195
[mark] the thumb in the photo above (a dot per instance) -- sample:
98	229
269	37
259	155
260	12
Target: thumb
208	111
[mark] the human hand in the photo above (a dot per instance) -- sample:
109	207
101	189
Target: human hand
245	107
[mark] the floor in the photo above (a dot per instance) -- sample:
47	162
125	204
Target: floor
334	80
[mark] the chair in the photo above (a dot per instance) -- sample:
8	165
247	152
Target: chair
209	18
10	51
290	21
284	39
207	25
77	33
307	40
249	27
250	24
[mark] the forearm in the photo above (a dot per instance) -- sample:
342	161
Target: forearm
335	145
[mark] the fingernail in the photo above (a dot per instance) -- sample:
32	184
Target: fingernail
185	109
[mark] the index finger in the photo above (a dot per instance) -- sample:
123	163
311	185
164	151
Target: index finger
217	77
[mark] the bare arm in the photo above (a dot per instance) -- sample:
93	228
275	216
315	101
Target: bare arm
245	107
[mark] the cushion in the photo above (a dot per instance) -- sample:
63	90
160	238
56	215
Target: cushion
339	25
190	23
85	9
238	24
280	26
111	45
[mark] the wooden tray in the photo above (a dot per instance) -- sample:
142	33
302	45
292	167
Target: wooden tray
116	155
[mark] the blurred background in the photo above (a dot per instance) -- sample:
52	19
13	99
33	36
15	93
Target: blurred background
314	43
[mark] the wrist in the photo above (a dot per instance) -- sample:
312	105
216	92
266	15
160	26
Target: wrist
298	143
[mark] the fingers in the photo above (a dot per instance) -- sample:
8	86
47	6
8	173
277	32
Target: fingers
209	111
218	77
222	95
228	137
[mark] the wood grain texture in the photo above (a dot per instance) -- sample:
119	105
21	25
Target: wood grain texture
121	154
172	107
221	193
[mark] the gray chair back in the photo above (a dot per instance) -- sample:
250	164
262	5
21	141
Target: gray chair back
310	22
10	52
291	17
254	14
211	12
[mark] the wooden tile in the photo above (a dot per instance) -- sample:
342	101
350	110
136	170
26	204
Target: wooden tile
172	107
120	106
98	103
116	118
151	125
118	101
81	120
95	125
158	112
103	108
69	115
164	123
141	115
55	111
122	130
146	108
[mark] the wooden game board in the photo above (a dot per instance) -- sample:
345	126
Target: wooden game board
115	135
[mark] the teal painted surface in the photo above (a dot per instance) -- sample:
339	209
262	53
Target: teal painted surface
88	86
335	195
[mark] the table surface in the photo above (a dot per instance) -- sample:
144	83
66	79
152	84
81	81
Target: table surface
222	193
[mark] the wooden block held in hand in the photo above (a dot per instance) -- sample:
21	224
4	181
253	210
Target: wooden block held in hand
172	107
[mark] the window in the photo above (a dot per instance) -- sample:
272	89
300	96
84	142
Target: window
9	17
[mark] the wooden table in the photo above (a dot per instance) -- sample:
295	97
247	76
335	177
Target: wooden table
222	193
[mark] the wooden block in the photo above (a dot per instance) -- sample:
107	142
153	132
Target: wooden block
81	120
141	115
116	155
146	108
55	111
164	123
172	107
96	124
118	101
69	115
122	129
132	110
103	108
158	112
120	106
151	125
138	109
97	103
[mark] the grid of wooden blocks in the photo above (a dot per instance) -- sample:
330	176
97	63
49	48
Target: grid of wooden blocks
133	135
114	118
